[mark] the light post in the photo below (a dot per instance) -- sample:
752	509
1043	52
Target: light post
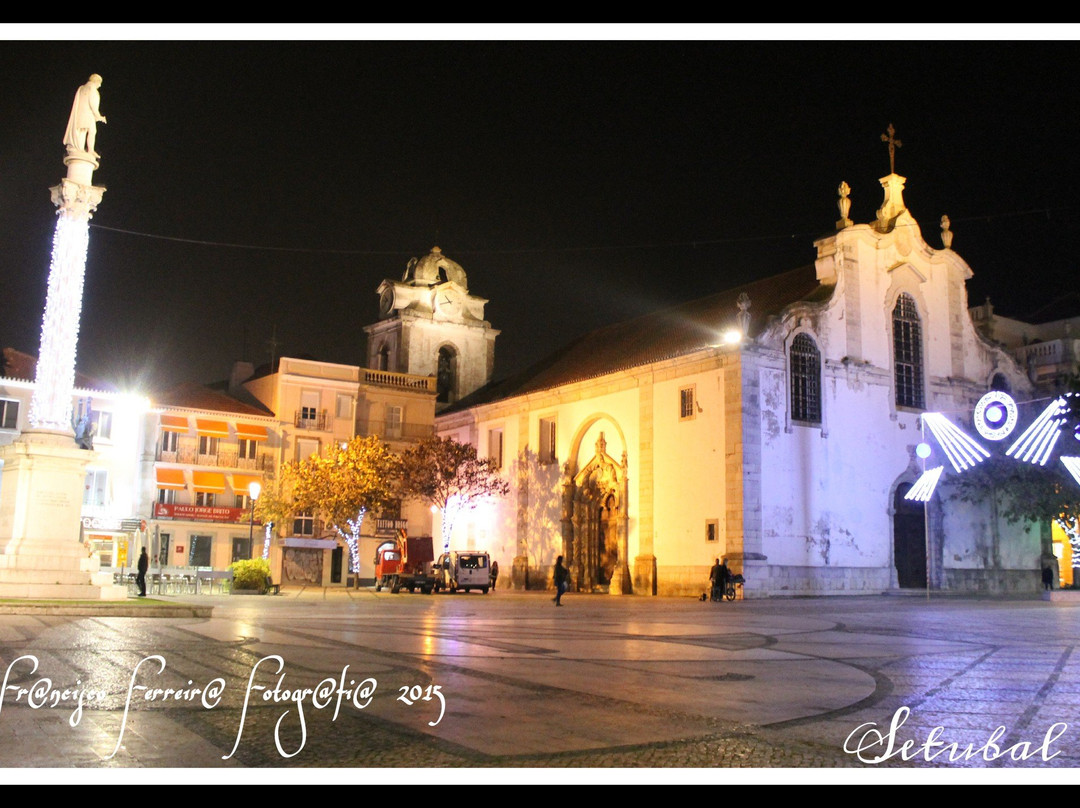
254	489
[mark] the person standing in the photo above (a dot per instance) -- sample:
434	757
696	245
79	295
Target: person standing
716	589
494	574
140	579
562	577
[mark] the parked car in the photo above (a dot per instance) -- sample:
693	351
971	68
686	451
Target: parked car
463	570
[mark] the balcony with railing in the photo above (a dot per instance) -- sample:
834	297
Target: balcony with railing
225	457
394	430
320	420
1049	360
405	381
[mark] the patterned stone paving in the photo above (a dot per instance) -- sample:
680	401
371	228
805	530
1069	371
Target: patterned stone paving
506	682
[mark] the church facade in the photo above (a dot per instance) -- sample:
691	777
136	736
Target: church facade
773	425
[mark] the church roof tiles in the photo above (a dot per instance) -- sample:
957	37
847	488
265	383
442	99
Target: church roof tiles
664	334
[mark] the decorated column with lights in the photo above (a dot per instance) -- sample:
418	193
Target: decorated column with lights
76	199
41	488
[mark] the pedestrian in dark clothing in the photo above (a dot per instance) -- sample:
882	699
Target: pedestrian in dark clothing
140	579
1048	578
494	574
715	592
562	577
718	578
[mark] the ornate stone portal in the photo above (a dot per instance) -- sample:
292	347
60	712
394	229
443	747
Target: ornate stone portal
595	523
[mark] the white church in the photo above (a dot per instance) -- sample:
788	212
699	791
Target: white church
774	425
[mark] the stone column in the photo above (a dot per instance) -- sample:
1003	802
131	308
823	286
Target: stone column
44	471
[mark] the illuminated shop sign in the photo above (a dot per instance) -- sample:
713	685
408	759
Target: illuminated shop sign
200	512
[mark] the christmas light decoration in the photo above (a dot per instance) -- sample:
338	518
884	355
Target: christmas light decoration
449	515
995	415
50	407
352	539
923	488
1037	441
962	450
1073	465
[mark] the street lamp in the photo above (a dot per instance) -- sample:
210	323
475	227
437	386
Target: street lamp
254	489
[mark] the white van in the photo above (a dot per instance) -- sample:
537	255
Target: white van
462	570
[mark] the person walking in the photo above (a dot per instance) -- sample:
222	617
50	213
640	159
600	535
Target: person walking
494	574
140	579
562	577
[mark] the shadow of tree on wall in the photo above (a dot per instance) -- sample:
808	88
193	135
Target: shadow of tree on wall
535	512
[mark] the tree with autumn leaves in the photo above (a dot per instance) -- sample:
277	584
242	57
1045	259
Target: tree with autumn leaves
449	476
342	485
350	480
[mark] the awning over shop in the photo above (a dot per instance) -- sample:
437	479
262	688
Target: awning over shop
170	478
174	423
211	429
251	432
212	482
240	482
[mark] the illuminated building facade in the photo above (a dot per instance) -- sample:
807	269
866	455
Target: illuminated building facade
207	449
114	424
1048	350
774	424
319	404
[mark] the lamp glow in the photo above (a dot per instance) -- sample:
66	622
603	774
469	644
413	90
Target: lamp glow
732	337
922	450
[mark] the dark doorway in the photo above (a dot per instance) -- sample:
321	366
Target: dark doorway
446	379
241	549
336	558
909	540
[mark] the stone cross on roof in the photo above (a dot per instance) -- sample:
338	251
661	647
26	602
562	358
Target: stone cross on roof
894	144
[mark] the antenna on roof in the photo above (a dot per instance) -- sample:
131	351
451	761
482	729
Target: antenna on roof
274	344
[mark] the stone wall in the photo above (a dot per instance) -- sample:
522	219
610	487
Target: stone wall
993	582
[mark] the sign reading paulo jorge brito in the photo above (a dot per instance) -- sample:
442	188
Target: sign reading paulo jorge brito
23	686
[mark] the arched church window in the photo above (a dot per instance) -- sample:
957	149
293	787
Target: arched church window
805	363
384	358
907	353
446	381
1000	383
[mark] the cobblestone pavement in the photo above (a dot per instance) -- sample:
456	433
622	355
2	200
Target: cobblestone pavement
604	683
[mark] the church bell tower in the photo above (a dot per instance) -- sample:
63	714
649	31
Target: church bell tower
429	325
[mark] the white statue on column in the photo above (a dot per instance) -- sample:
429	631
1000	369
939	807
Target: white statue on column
42	471
82	123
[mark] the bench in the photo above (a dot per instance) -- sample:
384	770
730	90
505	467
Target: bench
271	587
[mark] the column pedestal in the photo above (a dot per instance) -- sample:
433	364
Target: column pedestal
41	493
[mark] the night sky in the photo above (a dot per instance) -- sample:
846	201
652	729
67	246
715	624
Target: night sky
262	188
